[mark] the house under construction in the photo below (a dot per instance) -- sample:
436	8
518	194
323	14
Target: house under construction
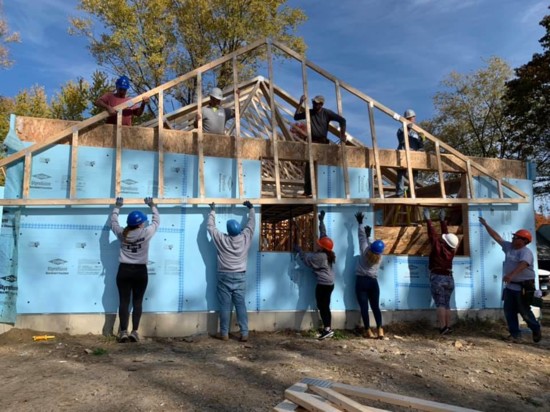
60	258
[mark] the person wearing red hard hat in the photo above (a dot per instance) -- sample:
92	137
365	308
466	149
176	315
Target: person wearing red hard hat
367	289
321	262
519	278
440	264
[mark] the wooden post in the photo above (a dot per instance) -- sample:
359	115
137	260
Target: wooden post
160	190
312	173
375	151
200	148
440	170
342	142
74	165
408	158
27	175
238	139
118	156
273	122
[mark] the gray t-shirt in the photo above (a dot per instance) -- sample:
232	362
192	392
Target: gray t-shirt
135	248
232	250
514	257
363	268
213	119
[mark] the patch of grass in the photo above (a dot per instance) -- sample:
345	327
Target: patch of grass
99	352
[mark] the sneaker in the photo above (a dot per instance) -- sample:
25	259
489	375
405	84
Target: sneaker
537	335
123	336
326	334
513	339
134	337
445	330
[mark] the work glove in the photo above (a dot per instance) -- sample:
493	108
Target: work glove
119	202
368	230
426	213
442	214
212	206
248	204
359	217
149	201
322	215
297	249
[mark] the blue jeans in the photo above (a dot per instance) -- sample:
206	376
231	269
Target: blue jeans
368	290
232	291
512	306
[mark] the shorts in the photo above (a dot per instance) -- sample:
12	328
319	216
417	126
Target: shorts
442	288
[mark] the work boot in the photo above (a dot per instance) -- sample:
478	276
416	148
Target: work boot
369	334
380	333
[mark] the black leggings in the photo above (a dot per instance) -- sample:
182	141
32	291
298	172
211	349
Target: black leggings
322	295
131	280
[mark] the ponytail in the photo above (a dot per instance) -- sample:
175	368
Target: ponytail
330	256
127	230
372	258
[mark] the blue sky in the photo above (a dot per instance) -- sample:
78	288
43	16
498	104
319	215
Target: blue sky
396	51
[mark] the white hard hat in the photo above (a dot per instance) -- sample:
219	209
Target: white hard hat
216	93
451	240
409	113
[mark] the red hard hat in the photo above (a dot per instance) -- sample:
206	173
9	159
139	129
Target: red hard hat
326	243
524	234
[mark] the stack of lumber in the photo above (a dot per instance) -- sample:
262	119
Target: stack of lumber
321	395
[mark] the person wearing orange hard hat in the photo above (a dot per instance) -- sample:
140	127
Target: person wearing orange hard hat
321	262
519	279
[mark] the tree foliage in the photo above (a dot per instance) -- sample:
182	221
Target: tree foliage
528	102
153	41
471	113
5	38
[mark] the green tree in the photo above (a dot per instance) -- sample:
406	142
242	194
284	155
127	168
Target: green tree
471	112
153	41
528	103
5	37
75	99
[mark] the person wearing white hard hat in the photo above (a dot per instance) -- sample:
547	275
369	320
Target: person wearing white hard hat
214	116
416	143
440	264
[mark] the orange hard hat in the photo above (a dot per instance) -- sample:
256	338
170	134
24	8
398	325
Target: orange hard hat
524	234
326	243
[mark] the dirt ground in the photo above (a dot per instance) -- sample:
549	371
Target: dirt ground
471	368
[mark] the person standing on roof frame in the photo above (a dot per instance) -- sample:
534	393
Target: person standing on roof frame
416	143
110	100
440	264
214	116
320	119
366	282
321	262
519	279
232	250
132	276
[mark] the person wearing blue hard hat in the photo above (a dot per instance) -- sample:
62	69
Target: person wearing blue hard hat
132	276
112	99
367	289
232	250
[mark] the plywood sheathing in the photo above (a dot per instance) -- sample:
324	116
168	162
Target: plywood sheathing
175	141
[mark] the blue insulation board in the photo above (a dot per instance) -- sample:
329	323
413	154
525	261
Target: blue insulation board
68	257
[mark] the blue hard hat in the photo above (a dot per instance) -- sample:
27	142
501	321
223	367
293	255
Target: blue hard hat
123	83
136	218
377	247
233	227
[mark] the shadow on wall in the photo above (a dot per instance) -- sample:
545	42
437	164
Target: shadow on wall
207	250
348	282
109	261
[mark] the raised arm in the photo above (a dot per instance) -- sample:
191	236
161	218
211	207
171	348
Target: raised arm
491	231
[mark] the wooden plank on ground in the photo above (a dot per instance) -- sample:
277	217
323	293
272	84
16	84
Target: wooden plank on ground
310	402
394	399
342	401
